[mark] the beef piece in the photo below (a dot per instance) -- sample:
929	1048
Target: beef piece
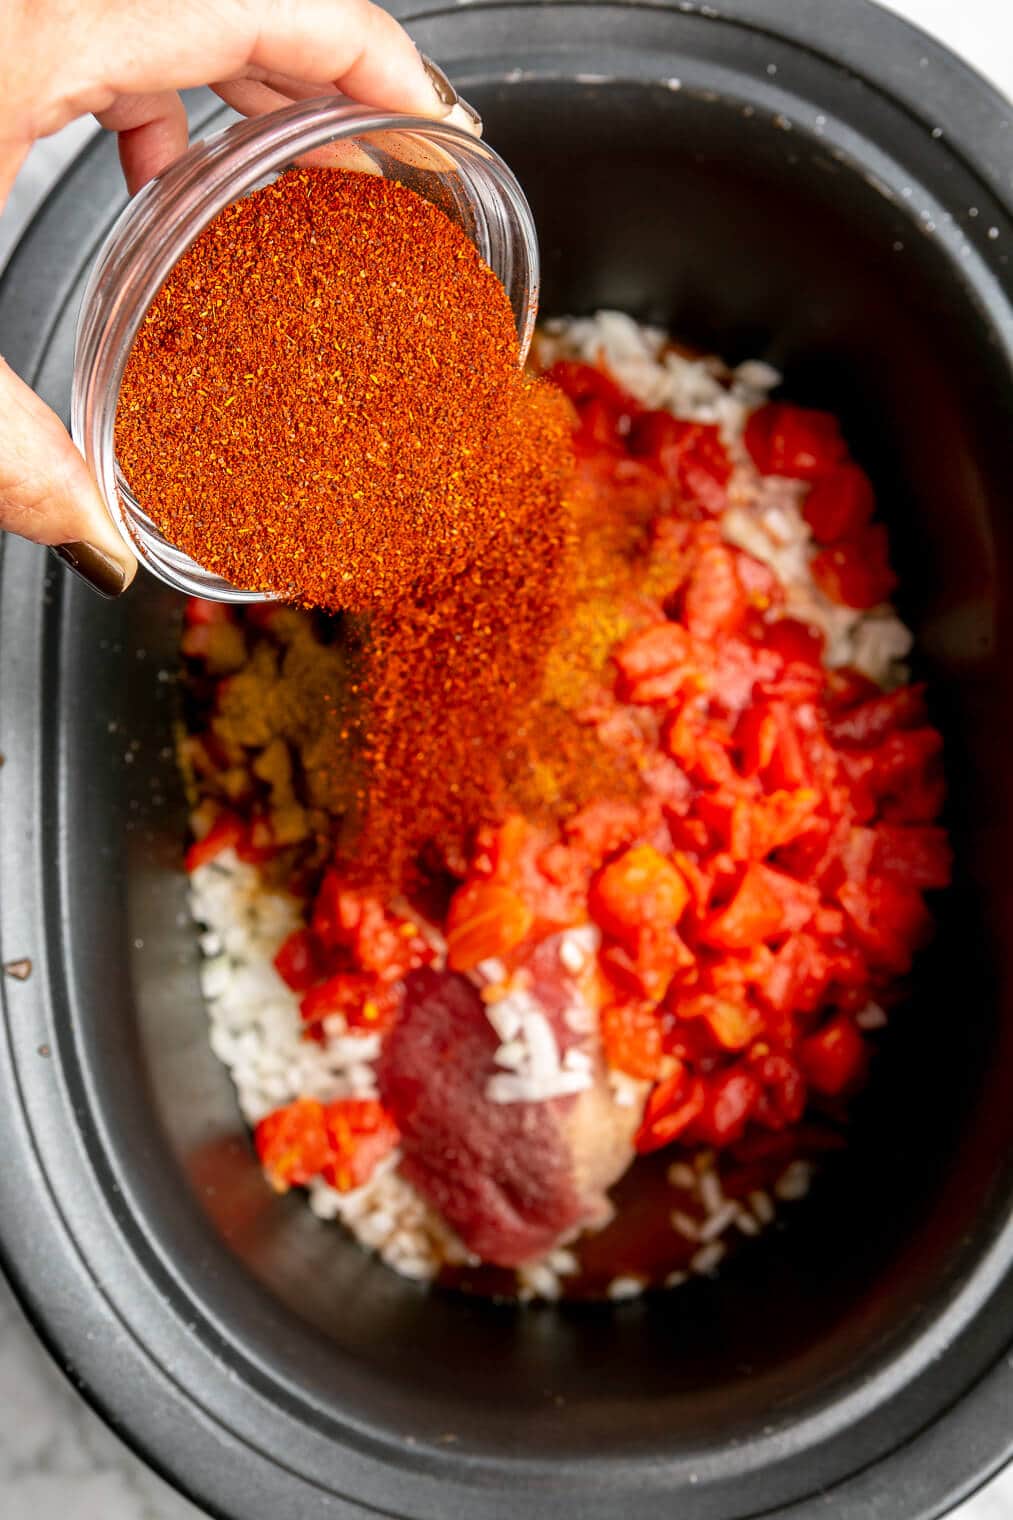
512	1179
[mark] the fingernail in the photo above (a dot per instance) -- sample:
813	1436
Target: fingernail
445	91
100	570
466	117
460	114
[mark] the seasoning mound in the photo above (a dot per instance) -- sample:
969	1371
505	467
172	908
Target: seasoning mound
324	400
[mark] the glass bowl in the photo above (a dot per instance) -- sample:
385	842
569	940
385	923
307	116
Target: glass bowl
461	174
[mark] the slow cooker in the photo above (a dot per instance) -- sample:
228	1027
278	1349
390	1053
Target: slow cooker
816	185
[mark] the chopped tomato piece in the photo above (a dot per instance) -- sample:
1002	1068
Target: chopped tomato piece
671	1108
689	454
714	600
226	833
782	1100
795	642
336	911
839	504
632	1036
646	962
640	889
846	687
485	920
920	856
834	1058
870	722
654	665
889	920
299	962
586	382
794	441
733	1024
754	913
292	1143
799	977
601	828
258	842
729	1100
500	849
360	1133
199	611
856	571
364	1002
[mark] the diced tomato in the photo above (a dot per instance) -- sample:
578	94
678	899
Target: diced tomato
292	1143
732	1023
640	889
705	469
904	757
654	664
485	920
796	643
834	1058
689	454
198	611
632	1037
856	571
800	976
258	842
671	1108
870	722
782	1100
387	945
602	827
219	644
342	1143
299	962
226	833
714	601
839	504
919	856
586	382
846	688
364	1002
794	441
757	736
889	920
500	849
335	911
645	962
360	1133
729	1099
753	914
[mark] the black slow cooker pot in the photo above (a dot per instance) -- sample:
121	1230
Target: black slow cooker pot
812	183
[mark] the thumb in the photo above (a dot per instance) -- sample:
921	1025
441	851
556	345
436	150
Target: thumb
47	493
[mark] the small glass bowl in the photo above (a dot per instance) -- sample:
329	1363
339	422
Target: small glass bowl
459	173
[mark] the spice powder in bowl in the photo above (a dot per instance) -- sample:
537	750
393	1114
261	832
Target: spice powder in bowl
324	401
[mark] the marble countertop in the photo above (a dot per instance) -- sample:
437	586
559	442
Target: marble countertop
57	1460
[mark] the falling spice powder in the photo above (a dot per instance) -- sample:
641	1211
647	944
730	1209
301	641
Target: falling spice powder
325	401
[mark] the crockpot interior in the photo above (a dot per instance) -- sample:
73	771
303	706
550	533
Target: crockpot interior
756	238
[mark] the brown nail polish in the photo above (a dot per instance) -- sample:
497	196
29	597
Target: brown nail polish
100	570
441	84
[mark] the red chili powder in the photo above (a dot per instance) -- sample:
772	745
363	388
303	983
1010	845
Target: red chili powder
324	400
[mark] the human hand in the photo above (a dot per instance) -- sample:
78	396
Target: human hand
124	61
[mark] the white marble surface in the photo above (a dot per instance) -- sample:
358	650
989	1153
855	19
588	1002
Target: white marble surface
57	1460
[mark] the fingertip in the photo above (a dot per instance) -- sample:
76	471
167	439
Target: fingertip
152	133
